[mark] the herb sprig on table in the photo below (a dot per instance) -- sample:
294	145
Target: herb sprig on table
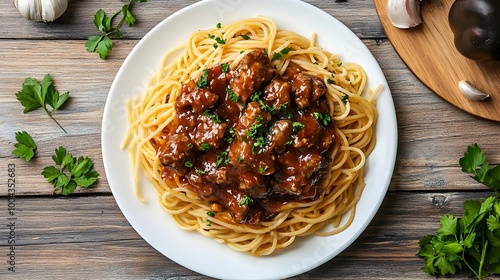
70	173
25	146
102	43
471	242
35	95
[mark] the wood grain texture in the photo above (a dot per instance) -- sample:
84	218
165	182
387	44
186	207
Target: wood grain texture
430	53
88	238
85	236
77	21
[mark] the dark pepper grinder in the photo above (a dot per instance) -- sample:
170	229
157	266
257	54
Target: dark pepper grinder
476	28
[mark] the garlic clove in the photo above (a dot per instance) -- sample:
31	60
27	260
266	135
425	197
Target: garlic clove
471	92
41	10
53	9
404	13
29	8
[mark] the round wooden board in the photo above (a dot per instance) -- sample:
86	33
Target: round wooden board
429	52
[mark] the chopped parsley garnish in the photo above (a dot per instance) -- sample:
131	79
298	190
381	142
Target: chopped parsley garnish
266	107
199	171
246	200
324	118
209	223
232	134
245	36
260	143
296	126
205	147
214	117
240	158
264	51
203	81
279	55
219	25
254	128
188	163
190	145
256	96
263	169
218	40
222	158
232	95
339	64
224	67
345	98
329	81
211	213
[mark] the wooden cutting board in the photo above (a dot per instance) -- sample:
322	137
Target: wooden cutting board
429	52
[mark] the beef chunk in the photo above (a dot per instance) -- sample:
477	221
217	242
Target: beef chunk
251	73
297	166
175	150
195	99
281	133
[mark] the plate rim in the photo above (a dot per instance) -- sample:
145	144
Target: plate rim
107	125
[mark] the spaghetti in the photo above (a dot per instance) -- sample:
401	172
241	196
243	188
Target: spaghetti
351	120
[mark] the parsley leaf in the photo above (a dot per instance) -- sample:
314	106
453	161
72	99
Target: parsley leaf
470	242
72	172
102	43
35	95
25	146
246	200
211	213
232	95
224	67
204	147
203	81
296	126
474	162
279	55
324	118
345	98
222	158
188	164
213	116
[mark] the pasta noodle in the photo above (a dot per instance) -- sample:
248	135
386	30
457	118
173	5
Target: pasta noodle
351	106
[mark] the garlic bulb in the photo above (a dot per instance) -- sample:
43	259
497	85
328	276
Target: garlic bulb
471	92
404	13
41	10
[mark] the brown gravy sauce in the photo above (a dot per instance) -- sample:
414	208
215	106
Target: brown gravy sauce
249	141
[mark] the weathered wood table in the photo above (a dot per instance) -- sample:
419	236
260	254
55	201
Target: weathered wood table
85	236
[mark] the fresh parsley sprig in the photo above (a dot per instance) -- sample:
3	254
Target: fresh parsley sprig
70	173
25	146
474	162
471	242
34	95
102	44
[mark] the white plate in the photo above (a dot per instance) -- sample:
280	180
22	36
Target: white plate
191	249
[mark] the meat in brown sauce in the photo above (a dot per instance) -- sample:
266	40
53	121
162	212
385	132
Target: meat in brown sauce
249	139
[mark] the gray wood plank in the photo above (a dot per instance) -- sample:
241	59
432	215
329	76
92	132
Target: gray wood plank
77	22
88	237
